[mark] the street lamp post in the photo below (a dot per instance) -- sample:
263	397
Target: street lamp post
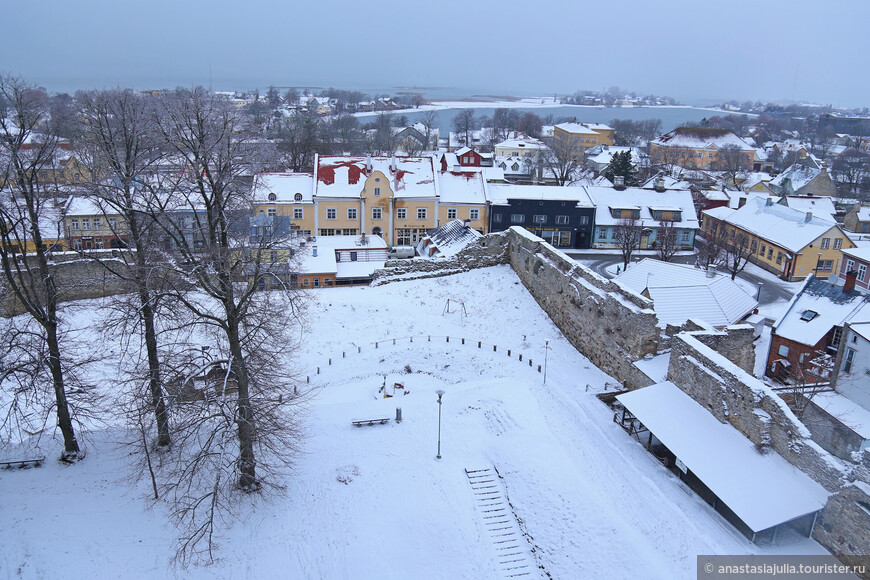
440	393
546	353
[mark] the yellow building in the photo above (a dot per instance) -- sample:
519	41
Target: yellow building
92	225
397	198
582	136
786	241
286	198
700	148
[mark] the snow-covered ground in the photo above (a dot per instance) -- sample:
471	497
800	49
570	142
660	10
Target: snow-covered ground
373	501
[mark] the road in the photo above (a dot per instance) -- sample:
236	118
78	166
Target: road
599	263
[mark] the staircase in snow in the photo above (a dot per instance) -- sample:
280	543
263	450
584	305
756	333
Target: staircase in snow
511	548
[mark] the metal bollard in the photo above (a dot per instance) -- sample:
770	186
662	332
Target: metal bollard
463	341
494	348
509	352
539	368
448	339
478	344
521	357
398	414
342	354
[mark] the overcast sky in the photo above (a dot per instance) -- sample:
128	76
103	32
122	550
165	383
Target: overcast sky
698	51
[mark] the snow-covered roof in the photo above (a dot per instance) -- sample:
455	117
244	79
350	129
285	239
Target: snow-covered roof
577	128
445	241
606	197
817	308
345	176
501	193
763	490
522	142
862	254
680	292
818	204
325	263
670	182
285	186
78	206
784	226
864	213
702	138
799	174
461	187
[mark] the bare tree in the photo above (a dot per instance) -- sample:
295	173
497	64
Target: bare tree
24	212
380	139
666	240
731	160
562	159
852	170
429	120
240	424
298	138
627	234
709	254
736	250
119	141
465	122
669	159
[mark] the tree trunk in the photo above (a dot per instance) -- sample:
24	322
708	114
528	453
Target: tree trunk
64	421
247	464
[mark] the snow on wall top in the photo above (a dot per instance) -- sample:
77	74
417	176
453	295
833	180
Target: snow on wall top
763	490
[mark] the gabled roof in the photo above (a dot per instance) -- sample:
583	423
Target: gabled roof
461	187
798	174
501	193
285	186
818	204
606	197
862	254
522	142
817	308
345	176
784	226
680	292
702	138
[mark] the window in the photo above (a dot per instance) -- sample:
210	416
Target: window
769	253
402	213
351	213
825	265
451	213
421	213
809	315
779	257
838	243
74	224
271	212
331	213
272	197
826	243
584	220
86	223
98	224
835	338
518	218
539	219
317	282
327	232
602	233
685	236
561	220
657	214
474	214
297	213
377	191
862	272
564	239
297	197
377	213
353	256
496	218
783	350
98	243
850	358
754	247
348	232
850	265
763	249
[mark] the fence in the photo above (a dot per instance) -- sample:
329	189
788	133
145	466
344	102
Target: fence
458	342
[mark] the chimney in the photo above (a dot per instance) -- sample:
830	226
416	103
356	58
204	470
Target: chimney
851	276
809	217
369	163
659	184
314	251
618	182
393	163
768	202
467	224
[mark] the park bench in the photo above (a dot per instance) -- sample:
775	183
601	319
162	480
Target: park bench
22	463
361	422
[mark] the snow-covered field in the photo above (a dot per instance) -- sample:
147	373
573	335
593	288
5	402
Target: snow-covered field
373	501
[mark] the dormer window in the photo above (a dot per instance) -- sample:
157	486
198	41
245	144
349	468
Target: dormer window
272	197
809	315
297	197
